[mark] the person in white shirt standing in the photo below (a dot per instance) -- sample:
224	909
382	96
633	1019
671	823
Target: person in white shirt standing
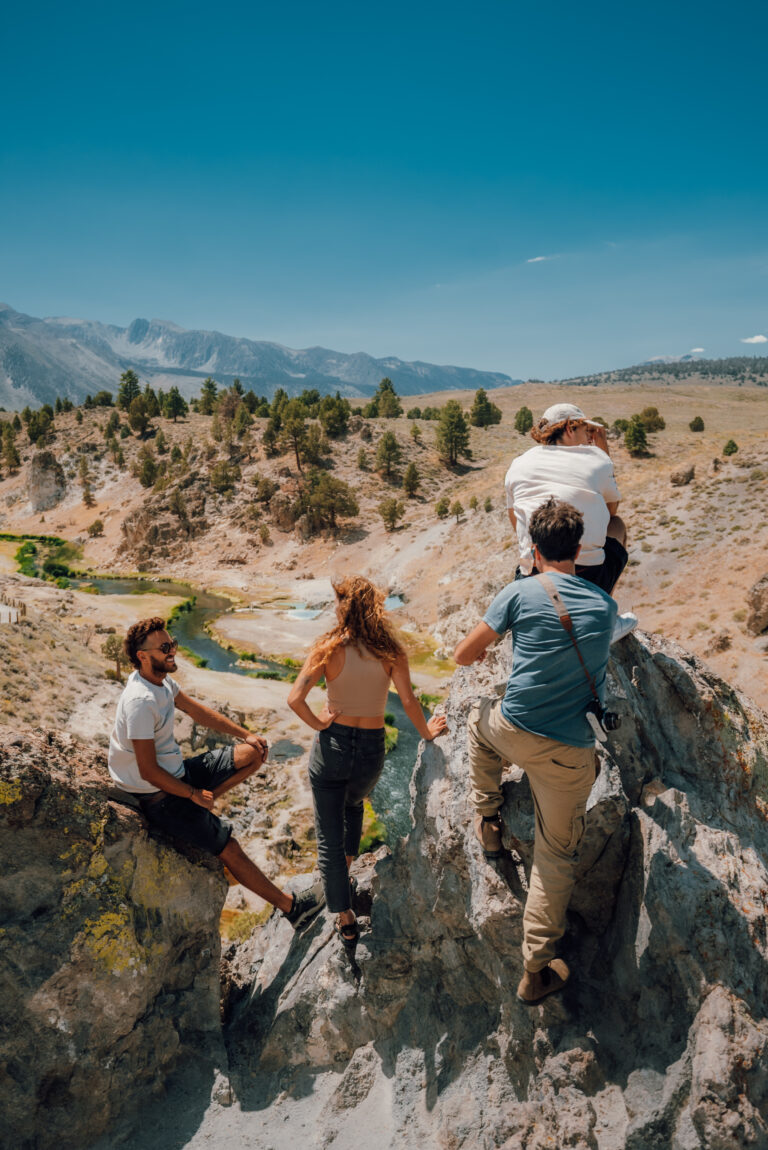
177	795
571	463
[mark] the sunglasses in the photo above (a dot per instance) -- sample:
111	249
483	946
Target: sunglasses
166	648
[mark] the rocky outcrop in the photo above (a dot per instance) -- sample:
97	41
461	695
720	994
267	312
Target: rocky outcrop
167	520
659	1041
683	476
757	602
109	951
46	483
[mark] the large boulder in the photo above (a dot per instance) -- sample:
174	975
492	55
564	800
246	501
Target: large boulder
109	951
46	483
659	1041
757	602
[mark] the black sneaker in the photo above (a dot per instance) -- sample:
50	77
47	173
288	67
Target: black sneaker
306	904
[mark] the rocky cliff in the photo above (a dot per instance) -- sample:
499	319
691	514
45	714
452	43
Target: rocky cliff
109	951
660	1039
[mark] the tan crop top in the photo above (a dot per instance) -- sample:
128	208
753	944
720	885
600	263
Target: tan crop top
361	687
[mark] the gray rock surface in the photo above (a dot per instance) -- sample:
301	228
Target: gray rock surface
659	1042
46	484
109	952
757	602
661	1038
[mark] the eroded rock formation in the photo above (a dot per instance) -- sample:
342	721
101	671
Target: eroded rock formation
661	1038
659	1042
109	950
46	483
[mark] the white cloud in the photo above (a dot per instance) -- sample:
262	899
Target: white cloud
756	339
696	351
541	259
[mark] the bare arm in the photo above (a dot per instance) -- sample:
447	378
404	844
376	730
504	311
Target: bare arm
215	721
151	771
297	700
401	678
512	518
473	647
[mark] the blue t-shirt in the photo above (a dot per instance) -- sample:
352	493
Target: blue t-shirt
547	691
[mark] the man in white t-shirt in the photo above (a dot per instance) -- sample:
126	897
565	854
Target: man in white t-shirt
177	795
571	463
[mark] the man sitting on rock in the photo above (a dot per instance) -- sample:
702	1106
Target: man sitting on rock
540	725
570	462
175	794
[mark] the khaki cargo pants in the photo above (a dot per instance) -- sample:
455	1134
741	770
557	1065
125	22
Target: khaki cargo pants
561	777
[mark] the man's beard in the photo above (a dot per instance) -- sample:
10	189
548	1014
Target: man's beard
161	666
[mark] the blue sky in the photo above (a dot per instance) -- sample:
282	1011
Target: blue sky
383	177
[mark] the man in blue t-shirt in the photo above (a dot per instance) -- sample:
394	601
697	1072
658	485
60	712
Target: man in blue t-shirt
541	726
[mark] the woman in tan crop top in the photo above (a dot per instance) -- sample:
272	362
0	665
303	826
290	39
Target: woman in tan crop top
360	658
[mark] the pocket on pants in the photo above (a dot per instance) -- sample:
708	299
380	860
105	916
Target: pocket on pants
330	758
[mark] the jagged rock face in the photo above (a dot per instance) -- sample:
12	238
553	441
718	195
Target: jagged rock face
757	601
46	483
165	522
659	1041
109	950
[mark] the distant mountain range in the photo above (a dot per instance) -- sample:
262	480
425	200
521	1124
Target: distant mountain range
41	359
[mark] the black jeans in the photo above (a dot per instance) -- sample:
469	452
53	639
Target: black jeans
344	767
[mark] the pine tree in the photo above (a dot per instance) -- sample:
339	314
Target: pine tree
453	434
129	389
696	424
294	430
390	511
730	448
175	405
388	453
442	508
484	413
411	481
524	420
457	509
206	404
635	439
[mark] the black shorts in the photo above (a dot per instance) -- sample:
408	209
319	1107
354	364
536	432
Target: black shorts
606	574
185	820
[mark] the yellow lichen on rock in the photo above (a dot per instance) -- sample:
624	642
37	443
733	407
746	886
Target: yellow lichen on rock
10	792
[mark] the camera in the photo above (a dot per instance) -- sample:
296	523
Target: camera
602	721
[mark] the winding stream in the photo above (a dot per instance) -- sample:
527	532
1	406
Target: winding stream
391	798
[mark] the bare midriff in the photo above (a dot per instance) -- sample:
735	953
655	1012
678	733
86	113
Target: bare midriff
364	722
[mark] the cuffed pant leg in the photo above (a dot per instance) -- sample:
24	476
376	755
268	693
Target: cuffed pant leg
561	778
486	763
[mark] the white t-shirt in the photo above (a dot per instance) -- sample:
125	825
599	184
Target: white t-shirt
582	476
144	711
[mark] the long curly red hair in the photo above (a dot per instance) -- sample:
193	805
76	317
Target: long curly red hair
362	620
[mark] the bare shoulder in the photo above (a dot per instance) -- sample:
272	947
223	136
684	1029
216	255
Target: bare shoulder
335	664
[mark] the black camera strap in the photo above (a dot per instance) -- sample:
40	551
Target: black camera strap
567	623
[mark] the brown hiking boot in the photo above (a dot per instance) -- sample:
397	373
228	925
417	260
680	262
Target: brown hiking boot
488	829
537	984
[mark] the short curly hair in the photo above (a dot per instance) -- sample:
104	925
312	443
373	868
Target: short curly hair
137	636
556	529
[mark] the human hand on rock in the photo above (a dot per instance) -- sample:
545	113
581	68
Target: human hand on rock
436	725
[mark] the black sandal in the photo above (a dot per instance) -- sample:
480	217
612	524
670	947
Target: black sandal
349	933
